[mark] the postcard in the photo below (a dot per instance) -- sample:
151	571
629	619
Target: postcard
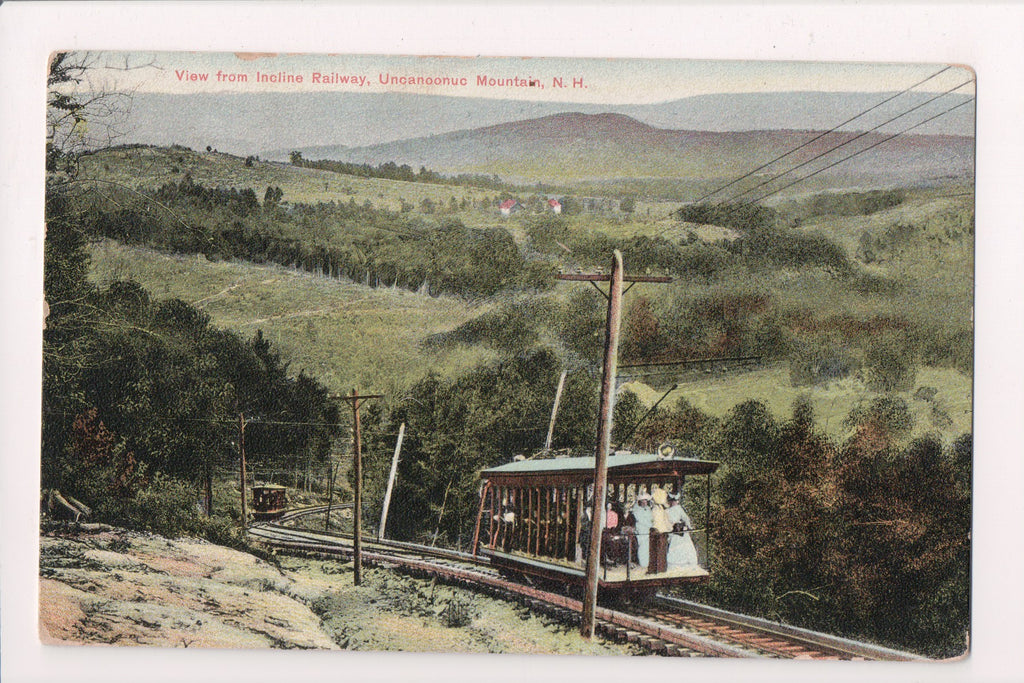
508	355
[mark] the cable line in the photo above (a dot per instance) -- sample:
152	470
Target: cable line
832	149
818	137
836	163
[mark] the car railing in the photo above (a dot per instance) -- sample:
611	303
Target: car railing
620	549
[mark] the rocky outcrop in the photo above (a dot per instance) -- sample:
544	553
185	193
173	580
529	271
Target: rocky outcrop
110	586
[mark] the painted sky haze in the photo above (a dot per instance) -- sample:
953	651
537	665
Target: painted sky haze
635	81
254	103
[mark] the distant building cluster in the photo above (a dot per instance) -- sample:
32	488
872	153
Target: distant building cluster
554	205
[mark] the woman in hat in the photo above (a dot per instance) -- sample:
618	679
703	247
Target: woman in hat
681	550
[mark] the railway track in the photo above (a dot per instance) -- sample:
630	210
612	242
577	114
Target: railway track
770	638
668	625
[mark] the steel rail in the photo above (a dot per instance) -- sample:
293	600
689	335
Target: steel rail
652	635
784	639
679	627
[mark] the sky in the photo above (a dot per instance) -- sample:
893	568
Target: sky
633	81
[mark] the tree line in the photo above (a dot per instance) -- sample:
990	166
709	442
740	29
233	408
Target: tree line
142	398
866	537
343	240
390	170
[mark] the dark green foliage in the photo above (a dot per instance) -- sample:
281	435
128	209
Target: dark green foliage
787	248
271	197
730	215
764	243
337	240
949	348
844	204
513	327
889	415
720	325
626	416
875	284
821	361
389	170
641	333
547	231
685	427
454	428
750	436
141	398
892	363
868	541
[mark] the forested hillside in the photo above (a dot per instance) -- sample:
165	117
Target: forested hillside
843	502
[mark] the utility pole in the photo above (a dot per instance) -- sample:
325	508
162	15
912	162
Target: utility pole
604	424
209	490
391	484
241	450
357	507
554	412
332	473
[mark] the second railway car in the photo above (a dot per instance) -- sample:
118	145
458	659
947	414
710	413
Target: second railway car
534	518
268	502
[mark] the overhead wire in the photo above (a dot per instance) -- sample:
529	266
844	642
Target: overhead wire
819	136
735	197
857	153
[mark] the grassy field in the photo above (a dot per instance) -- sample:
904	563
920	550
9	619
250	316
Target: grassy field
948	414
149	167
348	335
339	332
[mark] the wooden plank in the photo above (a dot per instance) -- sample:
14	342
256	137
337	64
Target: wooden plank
567	524
538	516
479	515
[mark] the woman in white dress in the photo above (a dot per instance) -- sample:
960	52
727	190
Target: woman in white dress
681	550
641	512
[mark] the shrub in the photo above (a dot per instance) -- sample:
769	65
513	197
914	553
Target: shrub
166	507
819	364
891	364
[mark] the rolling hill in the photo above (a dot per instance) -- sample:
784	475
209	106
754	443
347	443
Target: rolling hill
578	146
273	124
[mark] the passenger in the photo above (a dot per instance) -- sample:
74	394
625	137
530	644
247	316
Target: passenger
659	513
681	550
627	531
506	522
584	539
611	520
641	513
659	535
613	544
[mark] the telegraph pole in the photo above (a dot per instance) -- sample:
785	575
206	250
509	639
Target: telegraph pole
604	424
357	508
391	484
332	473
554	412
241	450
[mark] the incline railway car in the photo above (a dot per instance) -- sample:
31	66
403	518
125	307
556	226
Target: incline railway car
534	519
268	501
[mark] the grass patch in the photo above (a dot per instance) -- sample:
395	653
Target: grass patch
946	411
342	333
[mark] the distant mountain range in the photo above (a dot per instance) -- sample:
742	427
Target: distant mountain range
273	124
578	146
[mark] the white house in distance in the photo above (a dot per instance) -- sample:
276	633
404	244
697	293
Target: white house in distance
555	205
508	206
